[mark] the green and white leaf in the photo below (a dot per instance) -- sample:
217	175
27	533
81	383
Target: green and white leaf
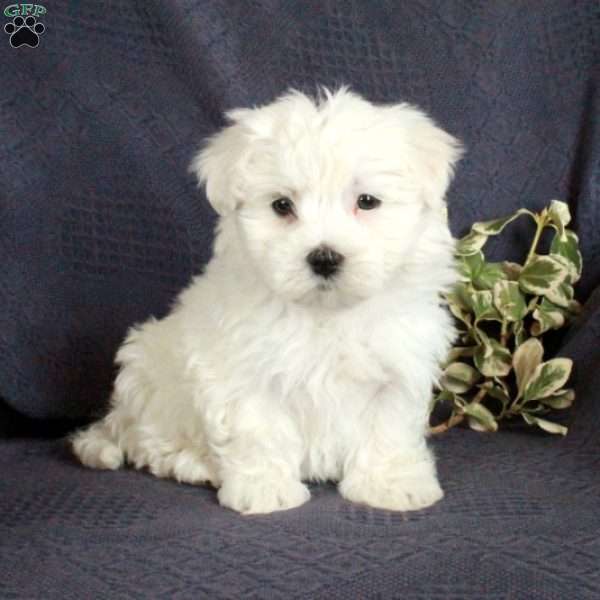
559	215
511	270
482	304
488	276
568	265
459	377
458	302
527	357
484	340
547	316
470	244
495	226
559	400
509	300
480	418
548	426
460	295
469	266
547	378
473	269
457	310
568	247
458	352
544	276
493	359
541	274
561	295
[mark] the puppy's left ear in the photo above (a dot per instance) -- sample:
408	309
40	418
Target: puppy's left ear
218	162
437	153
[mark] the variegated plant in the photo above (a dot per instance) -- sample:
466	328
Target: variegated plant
496	371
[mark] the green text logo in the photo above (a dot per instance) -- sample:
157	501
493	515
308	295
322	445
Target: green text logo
22	10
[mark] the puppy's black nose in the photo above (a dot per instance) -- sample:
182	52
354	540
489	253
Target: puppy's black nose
324	261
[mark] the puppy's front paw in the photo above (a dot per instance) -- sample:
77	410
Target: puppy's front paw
391	490
251	495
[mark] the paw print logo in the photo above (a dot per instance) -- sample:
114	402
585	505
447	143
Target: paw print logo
24	31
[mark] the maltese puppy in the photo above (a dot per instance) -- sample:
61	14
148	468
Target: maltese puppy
308	348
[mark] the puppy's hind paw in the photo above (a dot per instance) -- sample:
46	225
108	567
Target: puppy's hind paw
256	495
96	450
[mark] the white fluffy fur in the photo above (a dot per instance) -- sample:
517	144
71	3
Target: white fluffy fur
264	375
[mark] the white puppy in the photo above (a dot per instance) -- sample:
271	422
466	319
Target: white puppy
308	348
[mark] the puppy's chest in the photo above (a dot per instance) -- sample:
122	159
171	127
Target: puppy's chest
341	377
332	362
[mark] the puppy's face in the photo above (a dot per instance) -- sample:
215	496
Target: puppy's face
329	197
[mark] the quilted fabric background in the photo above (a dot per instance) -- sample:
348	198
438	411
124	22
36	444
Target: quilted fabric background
100	226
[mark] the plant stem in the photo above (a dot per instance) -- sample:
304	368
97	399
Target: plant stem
540	224
451	422
480	395
456	419
504	333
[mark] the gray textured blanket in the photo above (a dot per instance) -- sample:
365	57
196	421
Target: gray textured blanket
100	226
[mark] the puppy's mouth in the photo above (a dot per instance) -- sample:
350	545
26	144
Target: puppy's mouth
329	293
321	292
326	285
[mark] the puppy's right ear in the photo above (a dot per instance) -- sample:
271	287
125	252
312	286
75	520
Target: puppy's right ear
218	162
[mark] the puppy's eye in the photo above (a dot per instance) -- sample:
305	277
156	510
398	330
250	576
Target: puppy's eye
283	207
367	202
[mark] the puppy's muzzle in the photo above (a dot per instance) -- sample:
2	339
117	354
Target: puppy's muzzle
324	261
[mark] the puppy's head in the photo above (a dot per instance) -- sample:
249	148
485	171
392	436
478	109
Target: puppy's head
329	195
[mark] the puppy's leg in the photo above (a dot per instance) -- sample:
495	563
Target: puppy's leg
97	447
186	465
259	457
392	467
